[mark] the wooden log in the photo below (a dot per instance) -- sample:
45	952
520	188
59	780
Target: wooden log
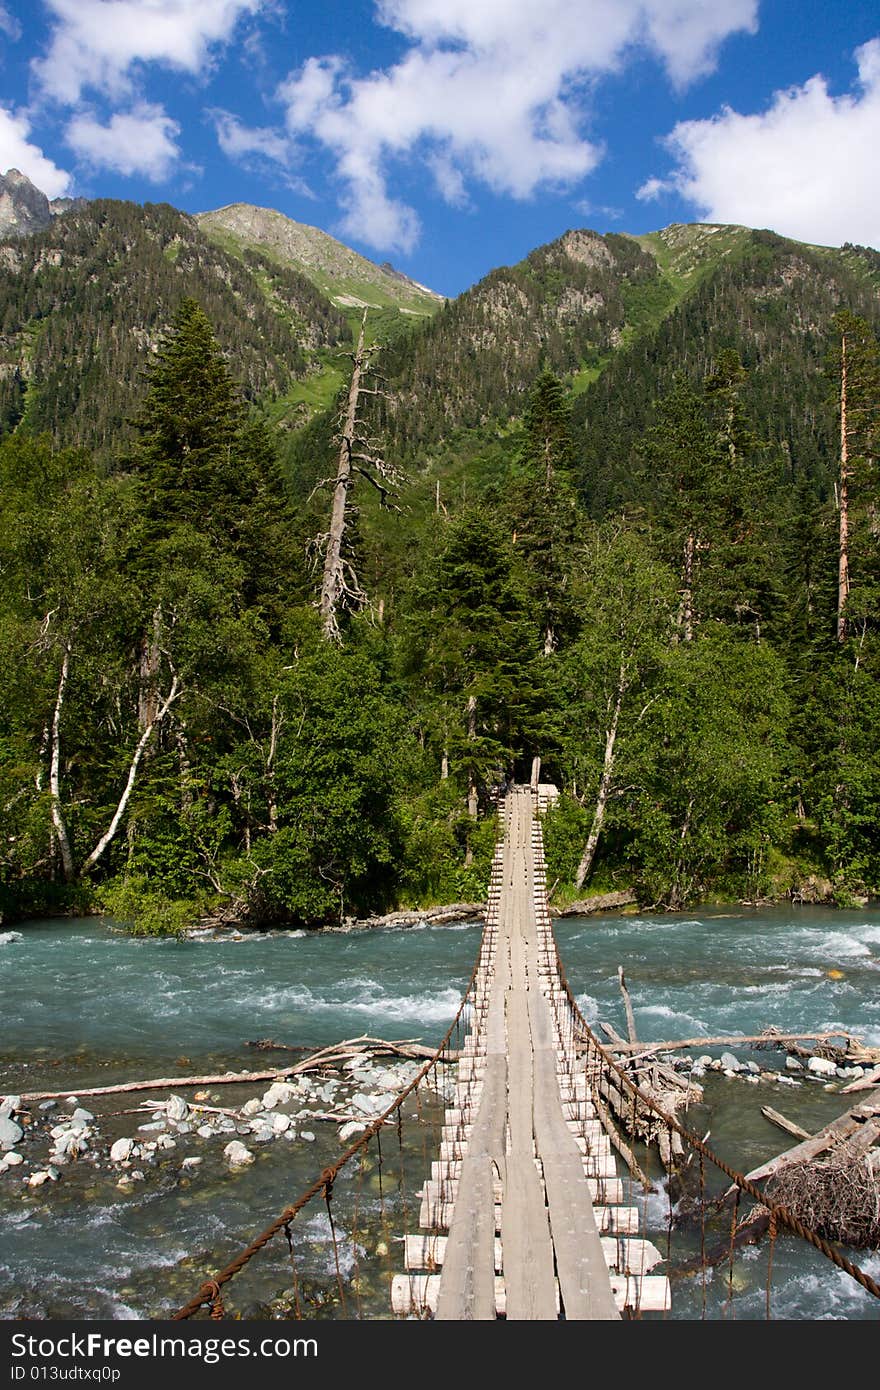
627	1004
833	1133
788	1125
347	1050
742	1040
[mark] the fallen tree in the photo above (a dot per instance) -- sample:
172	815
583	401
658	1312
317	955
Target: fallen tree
327	1057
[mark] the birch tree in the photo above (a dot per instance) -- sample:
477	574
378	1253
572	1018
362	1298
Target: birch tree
626	602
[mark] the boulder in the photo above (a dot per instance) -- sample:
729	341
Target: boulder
279	1093
261	1133
236	1155
280	1123
10	1133
72	1143
730	1063
348	1131
176	1108
820	1066
120	1152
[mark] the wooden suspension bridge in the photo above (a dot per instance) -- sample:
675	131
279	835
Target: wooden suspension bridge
523	1215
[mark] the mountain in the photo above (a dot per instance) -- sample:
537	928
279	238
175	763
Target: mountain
616	317
348	279
23	208
85	300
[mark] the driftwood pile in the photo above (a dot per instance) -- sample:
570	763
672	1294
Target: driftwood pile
656	1080
829	1180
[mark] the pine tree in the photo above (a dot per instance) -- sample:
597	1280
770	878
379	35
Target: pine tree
541	503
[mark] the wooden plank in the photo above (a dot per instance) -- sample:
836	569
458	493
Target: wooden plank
417	1295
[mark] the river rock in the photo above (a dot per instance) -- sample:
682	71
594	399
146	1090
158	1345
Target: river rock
252	1107
48	1105
10	1160
10	1133
120	1152
261	1133
754	1068
349	1130
281	1123
80	1118
176	1108
307	1135
166	1142
792	1064
206	1131
191	1162
731	1063
72	1143
279	1093
236	1155
820	1066
37	1179
8	1106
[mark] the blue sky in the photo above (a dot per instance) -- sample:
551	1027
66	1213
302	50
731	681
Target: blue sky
452	136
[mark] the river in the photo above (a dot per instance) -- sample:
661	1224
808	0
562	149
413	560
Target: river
84	1004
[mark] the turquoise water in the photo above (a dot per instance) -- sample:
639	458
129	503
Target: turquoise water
83	1004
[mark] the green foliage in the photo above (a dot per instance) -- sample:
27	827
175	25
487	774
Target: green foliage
693	616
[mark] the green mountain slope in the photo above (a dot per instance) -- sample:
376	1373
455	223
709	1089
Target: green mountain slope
84	303
348	279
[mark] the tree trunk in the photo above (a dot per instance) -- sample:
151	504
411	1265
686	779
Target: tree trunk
472	734
472	803
110	833
148	672
843	502
586	863
54	772
333	586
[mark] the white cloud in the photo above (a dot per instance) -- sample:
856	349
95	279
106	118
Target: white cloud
654	188
141	141
259	147
17	152
237	140
807	166
491	90
97	43
9	25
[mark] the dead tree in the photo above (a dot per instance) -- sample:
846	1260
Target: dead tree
357	457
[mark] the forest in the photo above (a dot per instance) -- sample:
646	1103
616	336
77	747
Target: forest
255	678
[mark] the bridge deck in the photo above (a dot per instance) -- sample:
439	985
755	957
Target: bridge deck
522	1155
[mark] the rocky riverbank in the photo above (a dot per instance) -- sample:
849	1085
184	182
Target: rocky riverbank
39	1140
